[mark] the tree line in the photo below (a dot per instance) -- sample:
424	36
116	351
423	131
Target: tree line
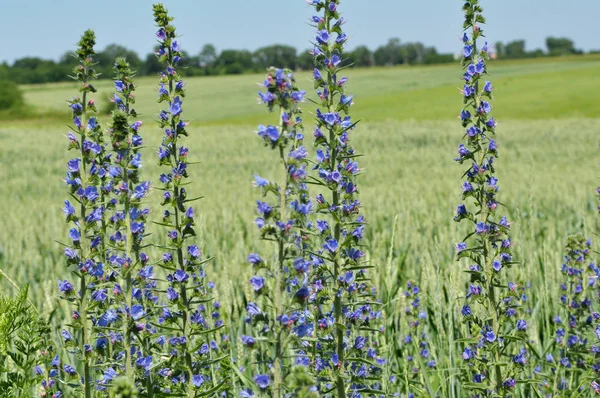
210	62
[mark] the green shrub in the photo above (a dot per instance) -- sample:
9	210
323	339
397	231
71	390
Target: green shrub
11	95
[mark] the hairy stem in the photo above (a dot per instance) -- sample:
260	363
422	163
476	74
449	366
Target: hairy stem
83	285
277	365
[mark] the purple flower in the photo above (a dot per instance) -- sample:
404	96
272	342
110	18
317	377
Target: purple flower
175	107
262	381
137	312
74	234
260	182
331	245
467	51
323	37
254	258
119	86
194	252
65	286
198	380
253	309
172	295
264	208
257	282
487	87
248	341
69	370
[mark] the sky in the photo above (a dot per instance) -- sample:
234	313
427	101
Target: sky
49	28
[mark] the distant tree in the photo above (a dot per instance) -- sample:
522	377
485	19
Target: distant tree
560	46
106	59
278	55
361	56
412	53
500	50
515	49
235	61
66	59
538	52
433	57
207	59
305	60
37	70
208	56
388	54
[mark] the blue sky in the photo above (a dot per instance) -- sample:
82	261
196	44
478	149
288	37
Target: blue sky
48	28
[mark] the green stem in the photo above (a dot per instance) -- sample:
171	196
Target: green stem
277	363
83	285
339	332
180	260
487	260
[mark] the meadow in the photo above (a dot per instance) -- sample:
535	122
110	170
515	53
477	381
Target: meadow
548	135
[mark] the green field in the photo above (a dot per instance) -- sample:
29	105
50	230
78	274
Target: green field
548	137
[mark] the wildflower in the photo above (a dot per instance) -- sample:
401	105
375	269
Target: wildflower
492	299
179	300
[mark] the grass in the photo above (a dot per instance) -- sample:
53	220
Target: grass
526	89
548	172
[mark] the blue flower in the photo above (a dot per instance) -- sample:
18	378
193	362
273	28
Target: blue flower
323	37
175	108
253	309
262	381
331	245
69	370
69	210
248	341
254	258
467	51
260	182
137	312
119	86
346	99
194	252
65	286
257	282
487	87
172	295
74	234
264	208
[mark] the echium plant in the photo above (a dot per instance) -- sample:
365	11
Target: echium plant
495	335
132	286
193	349
84	255
568	366
278	317
345	357
417	358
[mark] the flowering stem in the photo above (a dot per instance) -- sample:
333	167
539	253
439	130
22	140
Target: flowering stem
83	286
277	363
487	260
339	331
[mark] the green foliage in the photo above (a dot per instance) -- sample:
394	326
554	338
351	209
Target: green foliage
560	46
11	96
124	388
23	334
